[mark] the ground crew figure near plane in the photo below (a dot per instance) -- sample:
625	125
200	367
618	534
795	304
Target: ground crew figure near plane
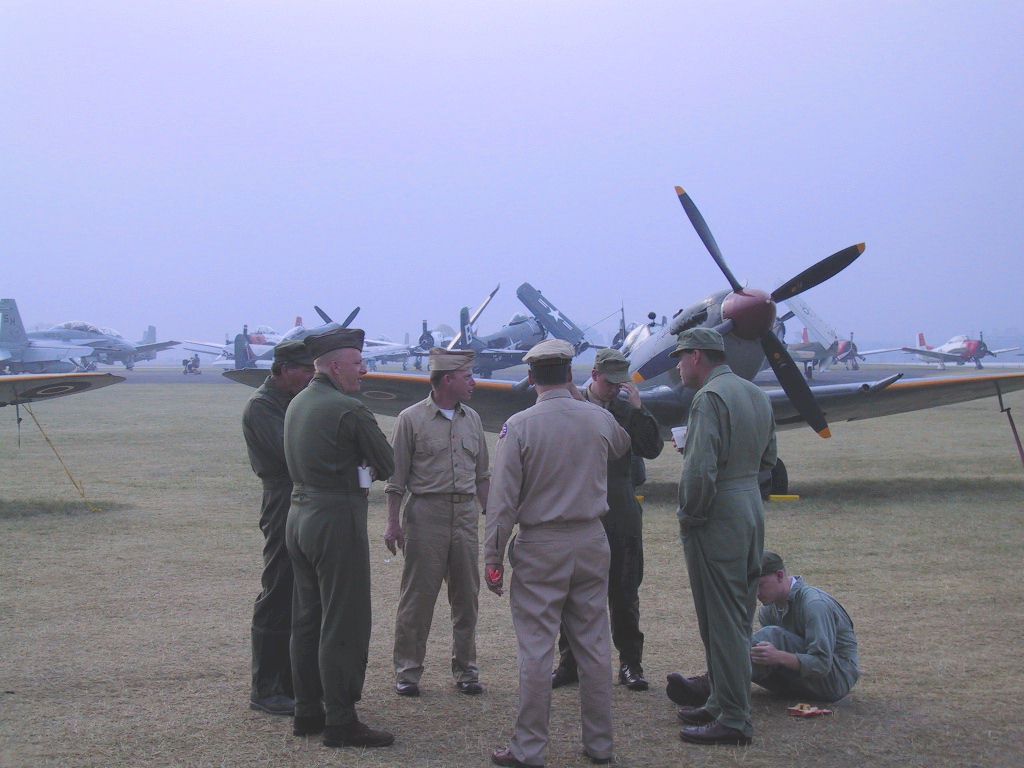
263	428
441	460
624	521
805	649
731	437
328	435
550	477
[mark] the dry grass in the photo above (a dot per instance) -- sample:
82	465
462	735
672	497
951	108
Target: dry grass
125	633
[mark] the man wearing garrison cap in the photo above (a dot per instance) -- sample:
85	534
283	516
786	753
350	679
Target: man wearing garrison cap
328	435
624	521
441	462
731	437
550	478
263	429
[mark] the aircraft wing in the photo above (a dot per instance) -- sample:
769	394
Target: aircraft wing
1000	351
865	352
390	393
944	357
29	387
868	400
157	346
205	347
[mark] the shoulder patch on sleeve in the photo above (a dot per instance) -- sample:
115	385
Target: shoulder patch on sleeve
504	430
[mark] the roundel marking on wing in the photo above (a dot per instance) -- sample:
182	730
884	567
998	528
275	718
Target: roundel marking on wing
54	390
376	394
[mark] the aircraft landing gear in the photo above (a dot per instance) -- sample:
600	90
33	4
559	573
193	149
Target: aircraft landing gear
776	481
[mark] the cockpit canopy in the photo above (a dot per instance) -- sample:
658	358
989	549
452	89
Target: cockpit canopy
77	325
517	318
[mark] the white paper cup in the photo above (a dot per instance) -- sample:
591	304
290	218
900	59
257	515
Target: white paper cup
679	435
365	480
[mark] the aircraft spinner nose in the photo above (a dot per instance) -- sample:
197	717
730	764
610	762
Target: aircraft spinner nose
752	312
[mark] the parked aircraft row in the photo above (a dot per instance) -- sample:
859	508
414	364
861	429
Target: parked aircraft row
746	317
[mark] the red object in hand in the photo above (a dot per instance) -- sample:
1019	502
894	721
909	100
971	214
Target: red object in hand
494	574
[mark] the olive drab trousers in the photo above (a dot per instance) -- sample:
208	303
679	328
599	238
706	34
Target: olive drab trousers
330	553
442	544
272	612
723	559
560	577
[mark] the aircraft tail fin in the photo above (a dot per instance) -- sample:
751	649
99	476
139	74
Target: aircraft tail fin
465	338
244	357
921	342
806	338
547	314
11	329
149	337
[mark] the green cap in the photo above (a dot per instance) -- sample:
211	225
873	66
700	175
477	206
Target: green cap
613	364
771	563
292	352
337	338
698	338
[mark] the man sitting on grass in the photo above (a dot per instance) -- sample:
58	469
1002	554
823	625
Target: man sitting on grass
806	648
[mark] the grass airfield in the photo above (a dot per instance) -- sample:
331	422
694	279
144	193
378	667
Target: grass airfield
124	620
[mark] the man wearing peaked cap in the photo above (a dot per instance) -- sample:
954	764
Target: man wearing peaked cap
624	522
328	436
441	461
337	338
731	437
263	429
550	478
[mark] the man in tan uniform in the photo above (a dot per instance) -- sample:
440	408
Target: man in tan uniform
441	460
328	435
731	437
550	477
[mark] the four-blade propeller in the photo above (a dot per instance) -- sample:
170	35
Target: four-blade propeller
750	314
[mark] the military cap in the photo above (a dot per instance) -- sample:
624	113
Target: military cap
613	364
451	359
771	564
337	338
698	338
550	352
292	352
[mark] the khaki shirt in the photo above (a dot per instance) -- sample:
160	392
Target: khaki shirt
731	437
550	466
328	434
436	455
263	429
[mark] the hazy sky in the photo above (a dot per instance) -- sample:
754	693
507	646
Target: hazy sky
202	165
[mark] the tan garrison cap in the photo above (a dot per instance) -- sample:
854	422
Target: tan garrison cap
451	360
293	352
698	338
550	352
771	563
338	338
613	364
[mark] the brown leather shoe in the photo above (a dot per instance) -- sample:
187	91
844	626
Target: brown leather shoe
694	716
688	691
356	734
715	733
506	758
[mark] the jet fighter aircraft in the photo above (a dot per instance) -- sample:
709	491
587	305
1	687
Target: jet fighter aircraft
106	345
21	354
746	318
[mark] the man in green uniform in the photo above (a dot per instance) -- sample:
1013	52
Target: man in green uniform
328	436
731	437
441	460
805	649
624	522
263	428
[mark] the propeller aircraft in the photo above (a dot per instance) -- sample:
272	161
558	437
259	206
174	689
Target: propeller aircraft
959	350
746	317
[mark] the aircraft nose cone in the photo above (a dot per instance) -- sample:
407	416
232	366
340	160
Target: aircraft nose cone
752	312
